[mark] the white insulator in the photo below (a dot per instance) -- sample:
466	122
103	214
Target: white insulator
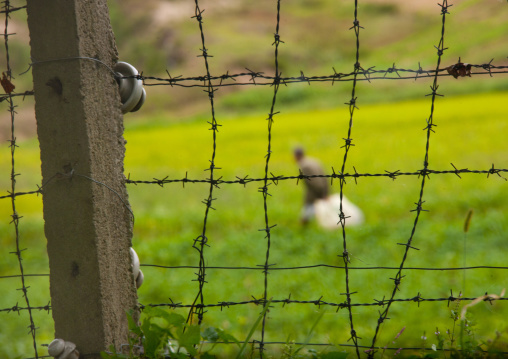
135	262
56	347
60	349
139	279
132	93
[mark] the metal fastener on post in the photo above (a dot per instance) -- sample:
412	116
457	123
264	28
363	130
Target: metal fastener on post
60	349
138	274
132	93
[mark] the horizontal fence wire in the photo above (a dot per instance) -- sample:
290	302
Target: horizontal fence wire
249	78
323	266
341	176
17	309
276	178
368	75
397	349
349	346
320	302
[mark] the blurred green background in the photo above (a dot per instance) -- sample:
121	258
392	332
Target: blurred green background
169	136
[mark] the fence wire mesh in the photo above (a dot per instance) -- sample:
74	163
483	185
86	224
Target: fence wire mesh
255	298
25	309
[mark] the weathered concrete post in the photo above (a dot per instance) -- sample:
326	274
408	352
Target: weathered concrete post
80	127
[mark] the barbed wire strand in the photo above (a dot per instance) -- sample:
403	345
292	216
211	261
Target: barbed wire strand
8	8
15	216
347	146
245	180
251	76
273	267
320	302
424	174
317	302
275	179
254	77
201	241
264	190
288	268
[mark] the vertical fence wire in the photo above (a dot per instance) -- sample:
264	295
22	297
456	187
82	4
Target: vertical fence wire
6	81
342	180
424	174
201	241
264	190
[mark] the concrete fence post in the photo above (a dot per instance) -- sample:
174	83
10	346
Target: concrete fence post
88	226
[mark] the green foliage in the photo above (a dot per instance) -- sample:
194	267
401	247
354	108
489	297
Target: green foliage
175	339
461	345
164	334
252	330
160	334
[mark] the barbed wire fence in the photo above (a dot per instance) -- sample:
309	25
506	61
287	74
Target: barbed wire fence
197	308
11	99
358	74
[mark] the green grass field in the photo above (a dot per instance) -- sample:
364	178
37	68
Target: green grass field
386	137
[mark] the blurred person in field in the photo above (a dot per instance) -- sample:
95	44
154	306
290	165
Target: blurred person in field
318	200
